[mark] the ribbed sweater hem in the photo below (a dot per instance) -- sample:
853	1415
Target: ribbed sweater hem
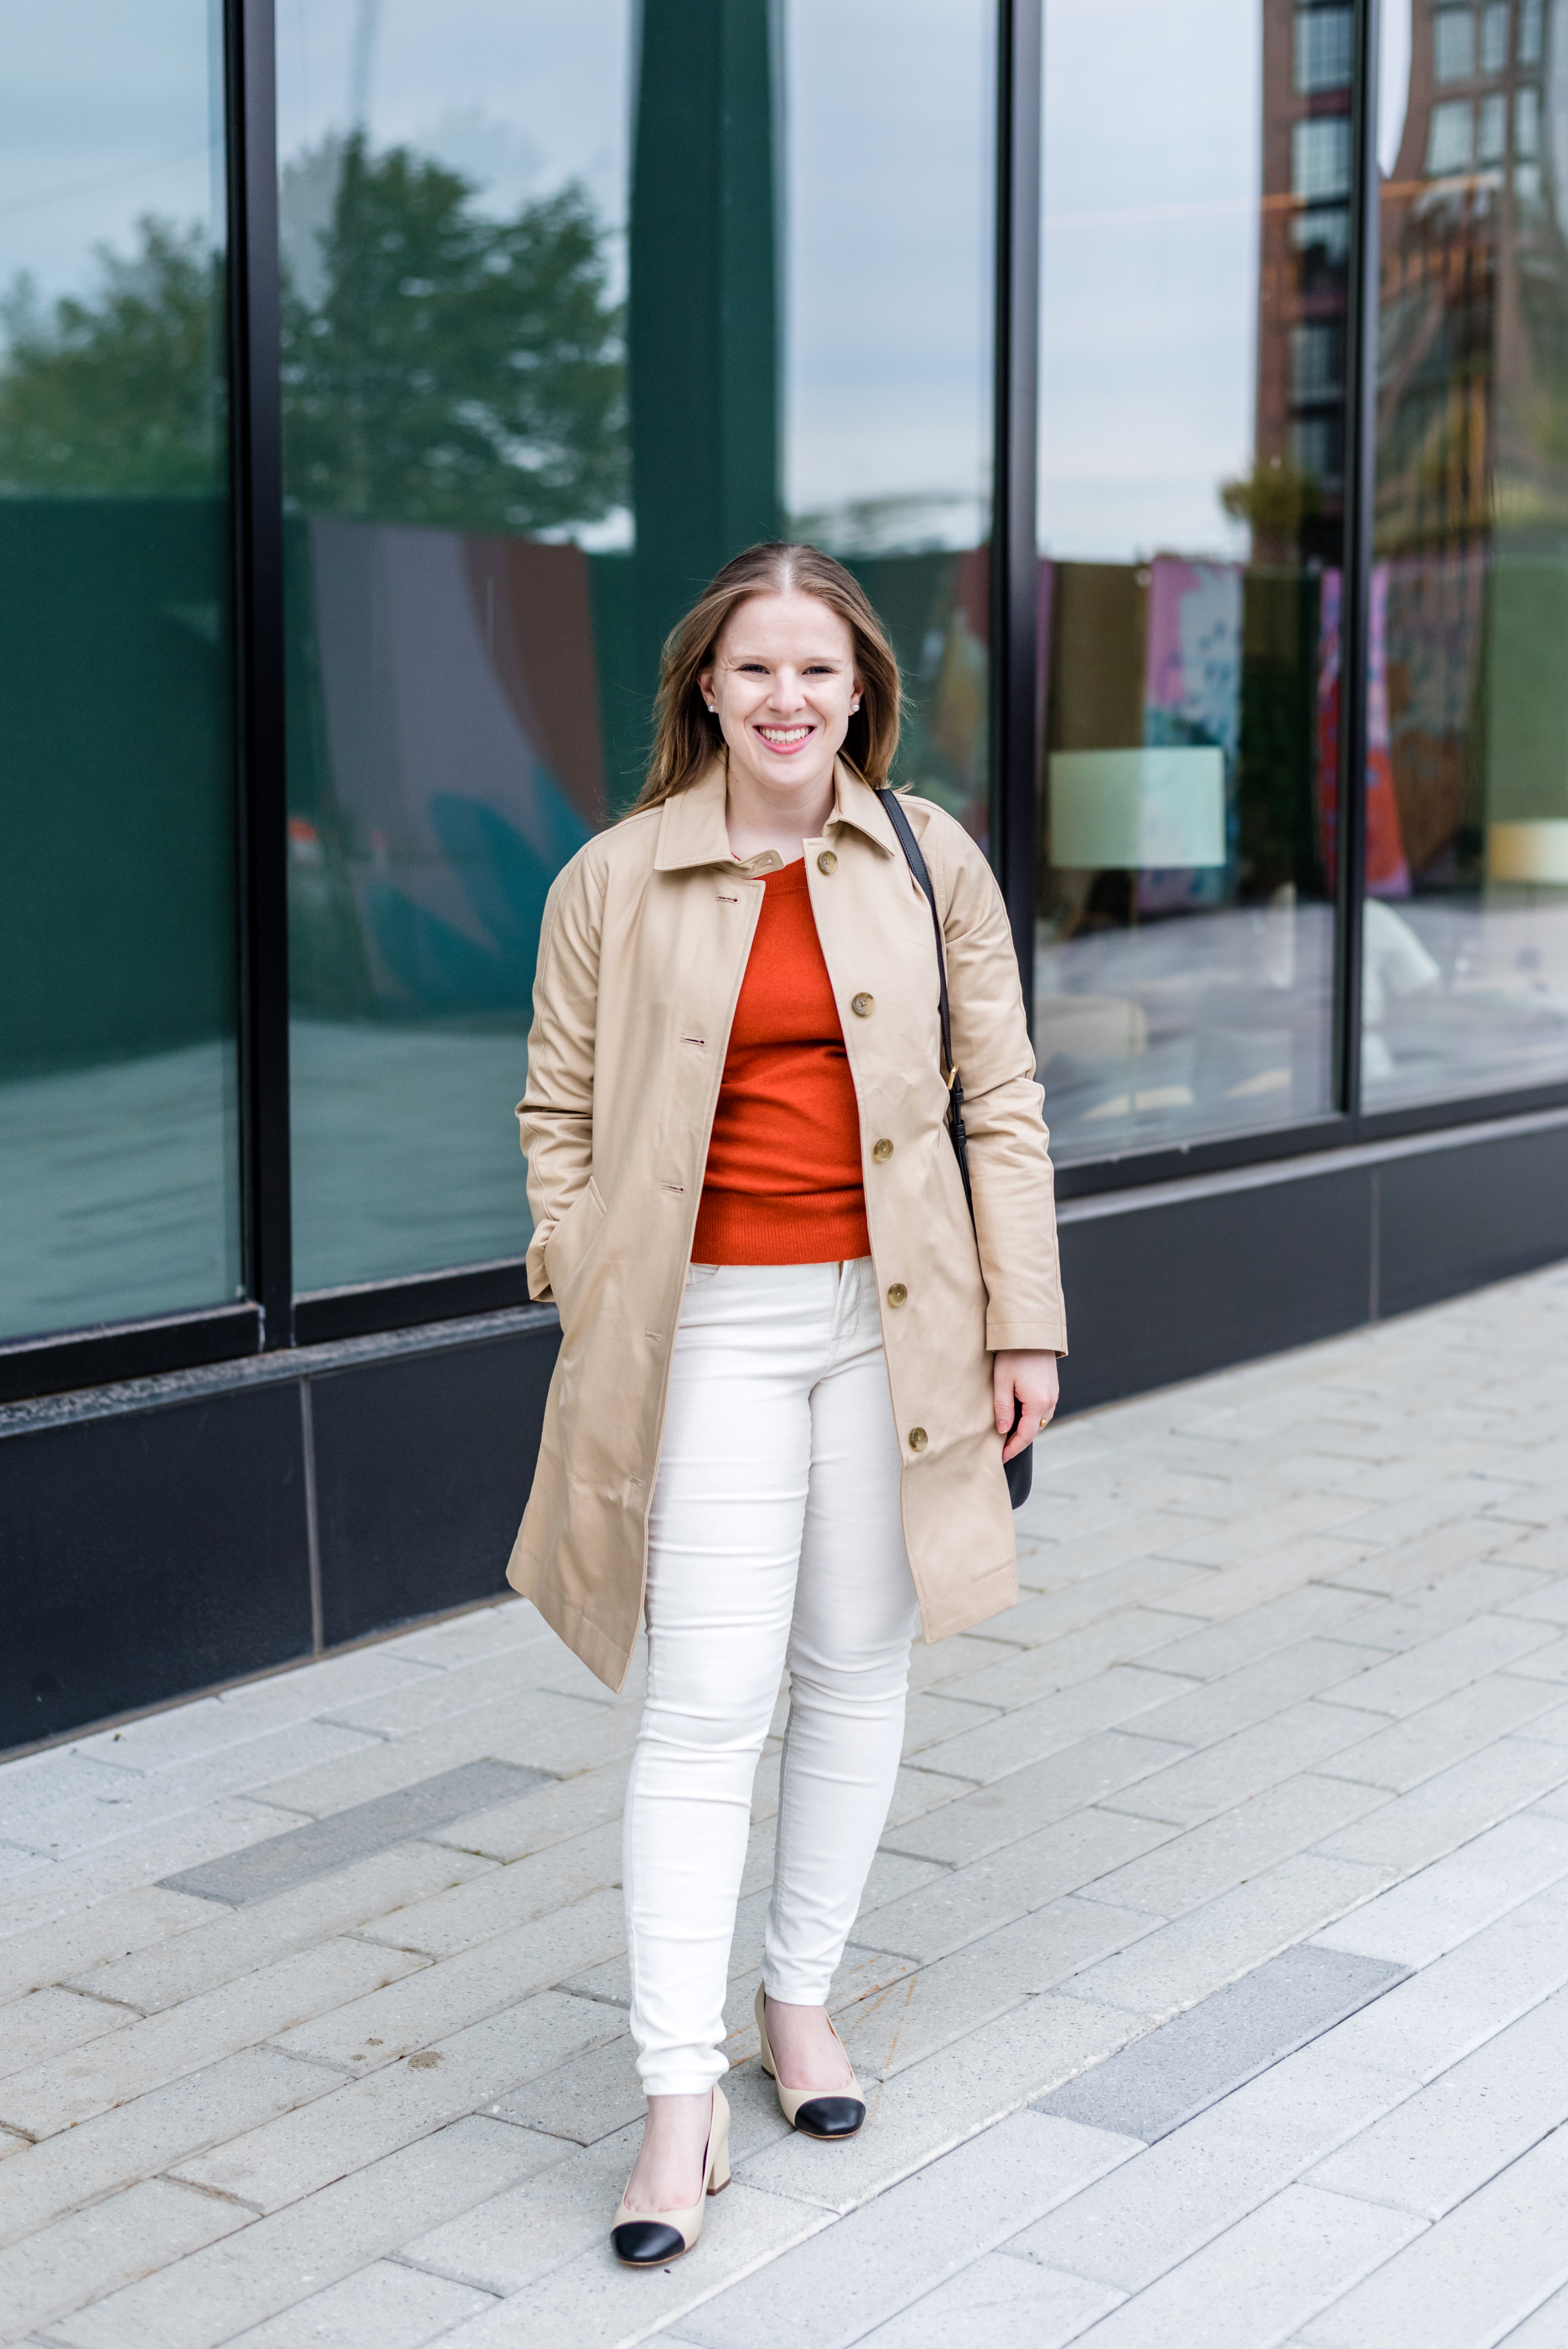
798	1227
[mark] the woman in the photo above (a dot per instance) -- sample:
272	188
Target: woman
789	1363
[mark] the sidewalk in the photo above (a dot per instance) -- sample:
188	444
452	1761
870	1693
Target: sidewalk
1210	1988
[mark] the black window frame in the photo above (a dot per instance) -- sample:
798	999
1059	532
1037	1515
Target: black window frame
272	1316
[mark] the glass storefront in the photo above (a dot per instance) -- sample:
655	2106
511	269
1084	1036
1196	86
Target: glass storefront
577	302
1466	976
119	1144
1197	184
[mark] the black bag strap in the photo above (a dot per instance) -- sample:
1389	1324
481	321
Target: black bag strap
917	865
1020	1469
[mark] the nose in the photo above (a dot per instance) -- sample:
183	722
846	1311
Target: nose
787	696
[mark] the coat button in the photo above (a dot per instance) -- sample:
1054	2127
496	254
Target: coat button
863	1006
917	1439
882	1151
827	862
898	1294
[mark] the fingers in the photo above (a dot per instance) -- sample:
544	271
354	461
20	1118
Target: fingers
1032	1401
1002	1389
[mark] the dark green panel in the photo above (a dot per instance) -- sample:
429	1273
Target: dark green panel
702	332
117	884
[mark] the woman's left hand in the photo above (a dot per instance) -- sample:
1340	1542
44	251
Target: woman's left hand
1029	1379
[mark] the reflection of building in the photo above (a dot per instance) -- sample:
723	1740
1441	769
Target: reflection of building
1304	254
1471	488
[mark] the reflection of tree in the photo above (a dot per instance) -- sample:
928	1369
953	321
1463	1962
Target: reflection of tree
455	369
1274	498
122	393
451	369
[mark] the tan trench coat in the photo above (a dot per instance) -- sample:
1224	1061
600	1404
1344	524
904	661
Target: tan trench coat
644	943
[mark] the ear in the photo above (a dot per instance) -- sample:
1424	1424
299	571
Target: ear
704	684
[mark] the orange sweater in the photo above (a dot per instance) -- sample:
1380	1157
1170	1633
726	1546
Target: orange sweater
783	1181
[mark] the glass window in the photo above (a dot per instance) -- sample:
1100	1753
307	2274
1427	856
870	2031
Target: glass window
1453	45
1191	523
119	1184
1318	360
580	301
1323	49
1492	140
1320	157
1467	931
1449	138
1494	27
1530	32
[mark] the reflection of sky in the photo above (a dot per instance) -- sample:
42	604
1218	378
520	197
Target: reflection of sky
1149	280
106	112
889	139
887	172
1393	79
520	95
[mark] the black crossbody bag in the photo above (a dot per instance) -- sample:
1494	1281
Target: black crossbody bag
1020	1470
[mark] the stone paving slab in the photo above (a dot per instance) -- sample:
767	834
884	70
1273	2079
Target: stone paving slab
911	2238
1301	2251
90	2253
1282	1704
1217	2046
272	2263
1494	2259
152	2134
157	2048
388	2304
282	1863
997	2303
224	1944
1190	2188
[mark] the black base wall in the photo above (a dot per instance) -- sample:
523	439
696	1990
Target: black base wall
422	1468
1165	1283
1162	1290
179	1533
149	1554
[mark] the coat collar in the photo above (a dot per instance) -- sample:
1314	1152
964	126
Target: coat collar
692	831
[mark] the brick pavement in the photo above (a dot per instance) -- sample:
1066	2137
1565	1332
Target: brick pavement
1212	1984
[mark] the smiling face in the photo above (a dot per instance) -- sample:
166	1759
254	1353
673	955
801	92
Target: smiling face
783	684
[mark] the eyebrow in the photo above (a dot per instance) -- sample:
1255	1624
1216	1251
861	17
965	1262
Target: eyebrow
838	659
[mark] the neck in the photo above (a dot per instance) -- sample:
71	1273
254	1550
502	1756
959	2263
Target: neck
760	815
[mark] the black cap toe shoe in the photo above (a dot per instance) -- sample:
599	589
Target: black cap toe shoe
831	2117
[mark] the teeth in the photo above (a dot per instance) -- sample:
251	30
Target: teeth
783	733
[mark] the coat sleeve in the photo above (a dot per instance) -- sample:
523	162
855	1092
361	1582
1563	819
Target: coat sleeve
1004	1107
555	1115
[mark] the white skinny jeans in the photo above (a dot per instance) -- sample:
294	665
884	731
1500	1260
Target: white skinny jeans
773	1539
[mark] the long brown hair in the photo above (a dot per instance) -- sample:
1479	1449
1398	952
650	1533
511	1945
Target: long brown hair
687	739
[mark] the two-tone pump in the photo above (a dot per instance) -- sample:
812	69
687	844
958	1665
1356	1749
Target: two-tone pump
828	2117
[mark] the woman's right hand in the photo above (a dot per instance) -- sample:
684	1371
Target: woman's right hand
1029	1380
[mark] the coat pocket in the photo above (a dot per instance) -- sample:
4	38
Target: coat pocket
567	1246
